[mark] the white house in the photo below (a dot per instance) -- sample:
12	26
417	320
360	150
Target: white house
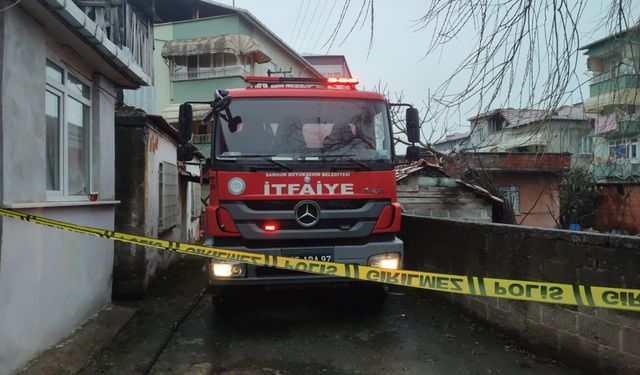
60	77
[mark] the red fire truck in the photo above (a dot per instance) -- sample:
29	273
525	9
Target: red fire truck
301	168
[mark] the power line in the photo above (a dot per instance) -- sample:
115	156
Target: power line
325	25
304	17
336	29
295	24
355	23
312	21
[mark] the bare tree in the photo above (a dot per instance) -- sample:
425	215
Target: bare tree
525	50
526	54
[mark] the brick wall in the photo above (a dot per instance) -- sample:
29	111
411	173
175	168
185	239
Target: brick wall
520	161
619	208
601	339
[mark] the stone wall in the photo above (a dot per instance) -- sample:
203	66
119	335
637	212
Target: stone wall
601	339
130	263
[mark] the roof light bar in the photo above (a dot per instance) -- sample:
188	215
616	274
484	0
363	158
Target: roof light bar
301	81
343	81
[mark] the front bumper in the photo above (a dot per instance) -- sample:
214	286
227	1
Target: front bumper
268	276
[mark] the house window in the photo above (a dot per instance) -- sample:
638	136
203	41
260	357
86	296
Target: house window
586	145
192	66
496	123
168	196
511	194
68	131
623	149
481	134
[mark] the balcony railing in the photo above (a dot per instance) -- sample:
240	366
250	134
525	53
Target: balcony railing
629	126
213	73
613	84
621	169
201	138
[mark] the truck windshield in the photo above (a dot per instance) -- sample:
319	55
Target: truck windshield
306	129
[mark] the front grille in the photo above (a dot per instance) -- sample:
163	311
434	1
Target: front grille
339	219
313	242
289	205
344	224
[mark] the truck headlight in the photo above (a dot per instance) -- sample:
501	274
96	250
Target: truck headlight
387	260
224	269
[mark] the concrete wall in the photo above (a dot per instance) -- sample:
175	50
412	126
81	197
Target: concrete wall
203	89
602	340
161	78
50	281
160	149
23	116
442	197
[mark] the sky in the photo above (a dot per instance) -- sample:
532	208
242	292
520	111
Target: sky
397	58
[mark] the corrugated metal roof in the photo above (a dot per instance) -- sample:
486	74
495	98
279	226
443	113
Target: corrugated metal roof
227	43
515	141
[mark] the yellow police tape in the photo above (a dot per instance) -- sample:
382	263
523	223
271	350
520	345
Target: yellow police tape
581	295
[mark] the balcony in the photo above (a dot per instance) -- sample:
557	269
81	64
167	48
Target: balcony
629	96
625	125
227	71
616	170
614	84
628	127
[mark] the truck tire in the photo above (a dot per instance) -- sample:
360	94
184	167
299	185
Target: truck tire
221	306
372	297
378	297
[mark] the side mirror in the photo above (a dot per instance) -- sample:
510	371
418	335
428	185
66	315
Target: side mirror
413	153
233	124
185	118
413	125
185	152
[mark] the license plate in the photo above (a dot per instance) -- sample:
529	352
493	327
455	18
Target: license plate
320	258
320	254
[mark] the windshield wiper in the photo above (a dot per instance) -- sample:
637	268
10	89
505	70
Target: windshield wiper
267	157
348	157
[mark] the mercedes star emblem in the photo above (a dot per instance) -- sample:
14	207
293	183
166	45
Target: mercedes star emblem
307	213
